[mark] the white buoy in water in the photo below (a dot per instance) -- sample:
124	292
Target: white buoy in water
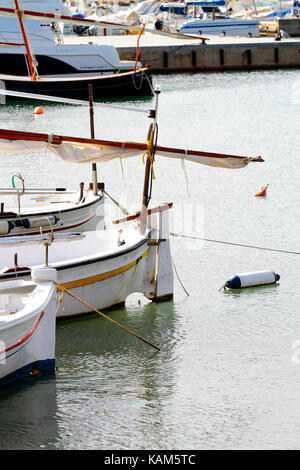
257	278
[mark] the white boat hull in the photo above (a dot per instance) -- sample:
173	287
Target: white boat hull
96	269
227	27
27	337
58	213
104	283
64	70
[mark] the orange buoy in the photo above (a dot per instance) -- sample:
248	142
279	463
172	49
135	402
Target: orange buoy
38	110
262	192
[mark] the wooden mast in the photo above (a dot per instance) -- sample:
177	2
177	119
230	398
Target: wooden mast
31	59
149	162
92	128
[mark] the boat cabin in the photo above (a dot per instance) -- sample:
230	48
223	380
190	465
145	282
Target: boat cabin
40	31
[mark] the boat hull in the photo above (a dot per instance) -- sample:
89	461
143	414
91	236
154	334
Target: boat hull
125	84
100	278
27	338
99	268
104	283
71	217
228	27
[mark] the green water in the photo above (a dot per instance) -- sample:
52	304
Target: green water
227	375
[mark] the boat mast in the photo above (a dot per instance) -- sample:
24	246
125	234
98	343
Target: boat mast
255	9
31	58
92	130
149	162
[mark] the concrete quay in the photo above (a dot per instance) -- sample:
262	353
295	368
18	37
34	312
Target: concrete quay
166	54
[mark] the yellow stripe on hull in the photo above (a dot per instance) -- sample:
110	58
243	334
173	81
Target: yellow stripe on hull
100	277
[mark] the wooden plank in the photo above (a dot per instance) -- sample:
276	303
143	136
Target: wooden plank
153	210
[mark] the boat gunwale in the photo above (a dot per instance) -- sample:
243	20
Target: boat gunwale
76	264
72	78
27	313
84	205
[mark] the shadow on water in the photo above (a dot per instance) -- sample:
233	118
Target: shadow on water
28	414
251	289
93	333
94	357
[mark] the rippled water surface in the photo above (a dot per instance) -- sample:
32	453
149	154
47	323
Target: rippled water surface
227	375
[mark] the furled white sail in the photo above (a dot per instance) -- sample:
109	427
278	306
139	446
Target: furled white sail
80	150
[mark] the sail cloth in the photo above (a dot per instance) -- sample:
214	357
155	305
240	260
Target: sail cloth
81	150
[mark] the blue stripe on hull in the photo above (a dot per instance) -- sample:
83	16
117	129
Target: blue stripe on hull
45	367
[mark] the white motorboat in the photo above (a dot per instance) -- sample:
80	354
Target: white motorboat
34	58
27	326
190	18
205	17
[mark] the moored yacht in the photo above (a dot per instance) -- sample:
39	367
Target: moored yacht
63	70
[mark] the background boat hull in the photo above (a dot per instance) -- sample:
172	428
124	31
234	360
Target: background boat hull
104	86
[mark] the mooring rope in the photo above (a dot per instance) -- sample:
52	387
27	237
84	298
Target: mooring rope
177	275
235	244
90	307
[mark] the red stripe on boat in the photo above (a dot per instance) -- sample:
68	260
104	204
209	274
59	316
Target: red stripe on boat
21	341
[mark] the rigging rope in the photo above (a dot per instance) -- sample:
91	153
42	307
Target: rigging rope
122	209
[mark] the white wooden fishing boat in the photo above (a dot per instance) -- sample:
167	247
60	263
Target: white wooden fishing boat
104	267
30	211
27	326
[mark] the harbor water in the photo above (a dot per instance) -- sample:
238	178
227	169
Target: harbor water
227	375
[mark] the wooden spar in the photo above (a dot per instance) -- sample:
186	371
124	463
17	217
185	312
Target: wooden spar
137	215
59	139
36	15
92	127
30	57
149	162
12	44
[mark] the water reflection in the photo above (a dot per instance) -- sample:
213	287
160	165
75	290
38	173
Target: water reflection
119	381
28	417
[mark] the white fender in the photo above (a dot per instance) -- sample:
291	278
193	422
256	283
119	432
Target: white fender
4	228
